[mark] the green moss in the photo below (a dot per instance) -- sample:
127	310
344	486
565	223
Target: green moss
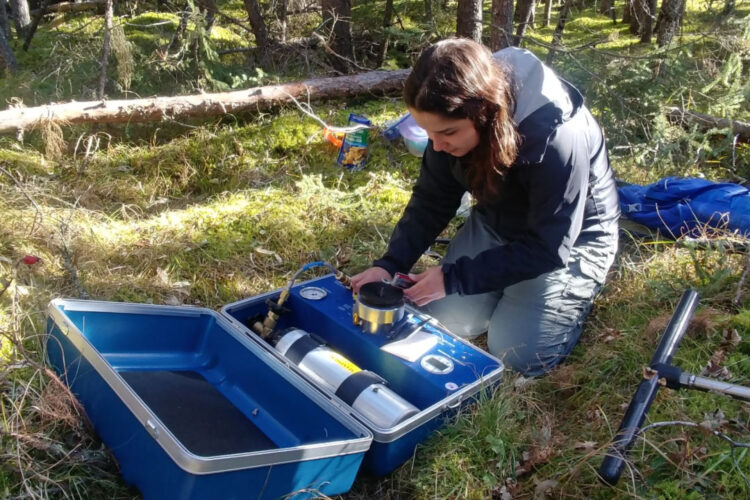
209	212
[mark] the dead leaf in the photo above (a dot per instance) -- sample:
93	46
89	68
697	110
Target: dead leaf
523	382
714	421
522	470
544	488
504	494
263	251
714	368
173	301
163	276
610	334
700	324
593	415
731	337
585	446
181	287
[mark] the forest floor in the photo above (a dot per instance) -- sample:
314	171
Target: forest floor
207	213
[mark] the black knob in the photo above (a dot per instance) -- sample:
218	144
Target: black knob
381	295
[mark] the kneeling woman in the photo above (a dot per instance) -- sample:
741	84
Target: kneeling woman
534	252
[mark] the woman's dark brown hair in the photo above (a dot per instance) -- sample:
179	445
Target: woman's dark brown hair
459	78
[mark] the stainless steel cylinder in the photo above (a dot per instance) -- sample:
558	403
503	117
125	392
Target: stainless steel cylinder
329	369
377	320
379	306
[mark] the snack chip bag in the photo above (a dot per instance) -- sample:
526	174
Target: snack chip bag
353	152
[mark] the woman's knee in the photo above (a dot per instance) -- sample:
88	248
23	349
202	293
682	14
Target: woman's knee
532	340
529	359
465	316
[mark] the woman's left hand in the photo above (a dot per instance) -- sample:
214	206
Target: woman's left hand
429	286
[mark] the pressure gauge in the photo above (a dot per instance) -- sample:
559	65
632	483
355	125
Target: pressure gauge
313	293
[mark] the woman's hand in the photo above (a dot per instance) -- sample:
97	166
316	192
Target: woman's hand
372	274
430	286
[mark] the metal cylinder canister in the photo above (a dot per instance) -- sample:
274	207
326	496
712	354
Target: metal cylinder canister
363	390
379	306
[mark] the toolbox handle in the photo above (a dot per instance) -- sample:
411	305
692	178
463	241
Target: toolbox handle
454	405
611	468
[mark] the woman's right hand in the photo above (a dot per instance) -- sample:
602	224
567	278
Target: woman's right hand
372	274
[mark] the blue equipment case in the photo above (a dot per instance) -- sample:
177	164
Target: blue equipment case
193	404
436	395
193	409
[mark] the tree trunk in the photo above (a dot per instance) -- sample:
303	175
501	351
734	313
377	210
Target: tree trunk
282	9
4	25
105	49
547	13
469	19
670	18
607	7
647	20
259	29
203	105
6	53
628	13
502	24
21	17
428	11
728	7
524	11
98	5
636	16
557	35
35	24
337	15
387	21
684	118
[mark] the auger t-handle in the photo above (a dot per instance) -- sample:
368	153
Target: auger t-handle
613	463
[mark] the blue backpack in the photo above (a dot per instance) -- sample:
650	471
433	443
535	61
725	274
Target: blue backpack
687	206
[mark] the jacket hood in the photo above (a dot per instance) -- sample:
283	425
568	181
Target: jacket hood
543	101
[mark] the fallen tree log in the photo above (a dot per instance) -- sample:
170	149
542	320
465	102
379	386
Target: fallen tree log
684	118
202	105
72	7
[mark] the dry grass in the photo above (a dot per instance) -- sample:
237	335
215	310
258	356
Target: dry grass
170	214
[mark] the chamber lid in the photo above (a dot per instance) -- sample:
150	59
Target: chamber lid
379	294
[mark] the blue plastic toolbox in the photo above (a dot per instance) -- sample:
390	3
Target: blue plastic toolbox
444	376
192	408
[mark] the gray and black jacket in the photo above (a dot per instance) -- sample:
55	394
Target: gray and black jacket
559	193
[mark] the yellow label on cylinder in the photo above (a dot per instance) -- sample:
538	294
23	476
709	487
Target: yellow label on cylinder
345	363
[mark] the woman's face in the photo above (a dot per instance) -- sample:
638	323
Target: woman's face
457	137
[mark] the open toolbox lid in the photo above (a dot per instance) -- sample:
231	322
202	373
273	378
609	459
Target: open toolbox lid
323	307
93	328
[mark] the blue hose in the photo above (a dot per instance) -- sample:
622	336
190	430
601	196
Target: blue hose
310	265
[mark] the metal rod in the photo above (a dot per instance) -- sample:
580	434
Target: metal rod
676	328
711	385
614	462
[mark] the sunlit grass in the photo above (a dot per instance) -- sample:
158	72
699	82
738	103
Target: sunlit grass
170	213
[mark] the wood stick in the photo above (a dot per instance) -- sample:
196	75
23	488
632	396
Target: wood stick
684	118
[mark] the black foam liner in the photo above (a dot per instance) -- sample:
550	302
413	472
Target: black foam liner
199	416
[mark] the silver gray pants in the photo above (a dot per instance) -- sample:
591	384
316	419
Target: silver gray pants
532	325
